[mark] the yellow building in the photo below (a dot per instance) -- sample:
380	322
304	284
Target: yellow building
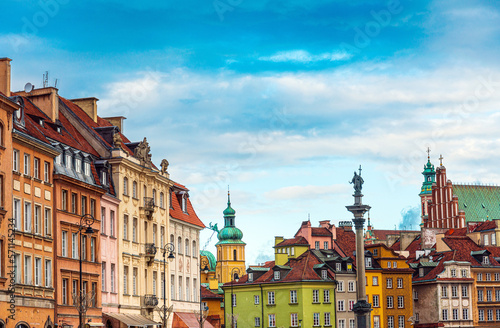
388	287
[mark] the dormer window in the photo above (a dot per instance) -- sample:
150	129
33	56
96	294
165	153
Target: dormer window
453	273
59	159
349	267
277	275
421	272
486	240
324	274
250	277
58	129
78	165
68	161
368	262
87	169
40	122
104	178
486	260
184	204
389	264
375	252
338	266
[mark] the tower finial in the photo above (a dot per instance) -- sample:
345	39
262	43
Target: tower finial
428	153
228	196
440	160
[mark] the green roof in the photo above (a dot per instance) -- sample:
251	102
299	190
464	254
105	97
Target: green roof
211	259
482	252
413	265
258	269
428	264
479	203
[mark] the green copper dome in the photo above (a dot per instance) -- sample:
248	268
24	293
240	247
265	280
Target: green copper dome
229	234
211	259
429	177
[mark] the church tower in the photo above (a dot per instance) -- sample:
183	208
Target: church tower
426	192
230	247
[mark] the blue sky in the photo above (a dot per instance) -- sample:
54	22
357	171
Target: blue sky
281	100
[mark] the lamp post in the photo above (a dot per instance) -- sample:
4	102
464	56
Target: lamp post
203	268
169	247
234	276
86	222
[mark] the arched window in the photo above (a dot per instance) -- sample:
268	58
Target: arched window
162	200
195	251
179	245
172	239
186	246
125	186
145	191
154	196
234	255
134	189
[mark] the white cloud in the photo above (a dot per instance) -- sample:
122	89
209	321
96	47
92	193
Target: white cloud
302	56
306	192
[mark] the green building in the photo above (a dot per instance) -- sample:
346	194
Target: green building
299	293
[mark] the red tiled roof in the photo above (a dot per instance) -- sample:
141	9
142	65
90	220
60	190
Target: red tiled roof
397	245
486	225
413	247
177	213
346	241
456	232
294	241
206	293
321	231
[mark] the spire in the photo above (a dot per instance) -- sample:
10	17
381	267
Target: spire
228	196
229	212
429	175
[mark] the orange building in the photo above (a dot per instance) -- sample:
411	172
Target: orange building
32	212
7	108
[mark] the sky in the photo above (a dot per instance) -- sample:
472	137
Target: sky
280	100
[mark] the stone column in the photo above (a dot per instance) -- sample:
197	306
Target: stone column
362	308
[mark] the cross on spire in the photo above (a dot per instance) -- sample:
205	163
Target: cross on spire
441	160
359	169
428	153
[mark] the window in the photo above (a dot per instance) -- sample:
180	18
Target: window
376	321
340	305
256	299
155	230
112	223
480	296
250	276
315	296
195	250
38	219
92	208
376	302
74	245
73	203
342	323
338	266
498	314
421	272
389	264
464	273
325	245
294	320
78	165
38	271
351	286
27	163
68	161
444	291
316	245
486	240
390	322
488	295
87	168
188	295
270	298
453	273
350	305
375	281
84	205
179	245
134	281
315	319
400	282
493	239
445	314
481	315
92	249
465	291
401	321
64	243
415	295
293	297
46	172
488	277
479	277
84	247
352	323
340	286
465	314
389	282
47	224
455	314
368	262
125	280
257	321
486	260
324	274
104	178
103	277
497	295
94	292
27	217
134	189
454	291
15	162
272	320
64	200
48	273
65	291
27	270
125	227
36	168
497	276
490	315
125	186
390	302
401	302
326	296
162	200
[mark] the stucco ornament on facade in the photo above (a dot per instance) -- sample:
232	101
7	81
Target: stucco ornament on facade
164	166
117	140
142	152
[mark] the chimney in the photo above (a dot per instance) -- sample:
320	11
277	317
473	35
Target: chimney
5	76
89	106
116	121
278	239
46	99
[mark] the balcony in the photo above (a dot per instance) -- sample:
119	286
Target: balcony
150	252
149	301
149	207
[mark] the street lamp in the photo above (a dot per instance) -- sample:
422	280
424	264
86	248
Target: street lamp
86	222
169	247
203	268
234	276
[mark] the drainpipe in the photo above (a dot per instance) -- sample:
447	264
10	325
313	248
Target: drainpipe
262	305
55	274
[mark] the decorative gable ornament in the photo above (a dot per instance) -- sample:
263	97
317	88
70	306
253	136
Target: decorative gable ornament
142	153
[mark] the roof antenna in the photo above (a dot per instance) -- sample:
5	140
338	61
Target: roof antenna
46	79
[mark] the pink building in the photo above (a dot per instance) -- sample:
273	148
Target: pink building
109	253
321	237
